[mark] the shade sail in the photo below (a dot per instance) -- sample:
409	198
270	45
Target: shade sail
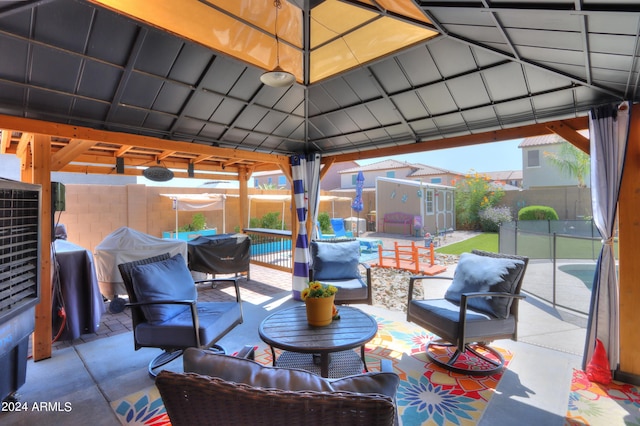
190	202
195	202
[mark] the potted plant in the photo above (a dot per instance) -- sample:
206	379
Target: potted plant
318	299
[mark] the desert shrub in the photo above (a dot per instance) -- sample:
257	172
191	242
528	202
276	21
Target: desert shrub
537	213
492	217
474	193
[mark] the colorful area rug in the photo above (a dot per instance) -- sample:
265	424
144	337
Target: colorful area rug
593	404
427	395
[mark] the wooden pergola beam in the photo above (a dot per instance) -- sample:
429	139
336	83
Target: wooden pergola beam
67	154
465	140
565	131
75	132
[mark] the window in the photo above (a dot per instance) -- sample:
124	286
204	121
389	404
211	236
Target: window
428	201
436	180
269	181
282	181
353	179
533	158
391	174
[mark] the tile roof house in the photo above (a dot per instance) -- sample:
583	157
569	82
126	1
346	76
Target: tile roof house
398	170
537	169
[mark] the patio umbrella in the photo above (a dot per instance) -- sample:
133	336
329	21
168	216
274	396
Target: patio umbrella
357	204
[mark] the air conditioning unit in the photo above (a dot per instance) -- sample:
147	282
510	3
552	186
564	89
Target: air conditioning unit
20	210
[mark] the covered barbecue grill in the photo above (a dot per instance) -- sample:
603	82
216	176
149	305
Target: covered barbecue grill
126	245
220	254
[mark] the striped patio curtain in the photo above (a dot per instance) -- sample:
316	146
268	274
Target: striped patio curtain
608	132
305	171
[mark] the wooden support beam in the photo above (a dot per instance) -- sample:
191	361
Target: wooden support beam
77	132
200	158
571	135
64	156
459	141
327	166
123	150
164	155
23	145
41	147
243	192
629	252
5	141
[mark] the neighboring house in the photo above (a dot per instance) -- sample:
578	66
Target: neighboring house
537	170
435	175
397	170
508	177
331	179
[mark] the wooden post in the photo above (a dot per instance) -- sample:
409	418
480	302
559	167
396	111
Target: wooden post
629	251
36	168
244	196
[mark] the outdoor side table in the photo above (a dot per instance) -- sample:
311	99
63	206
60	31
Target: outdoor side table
288	330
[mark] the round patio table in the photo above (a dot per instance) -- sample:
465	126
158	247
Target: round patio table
325	350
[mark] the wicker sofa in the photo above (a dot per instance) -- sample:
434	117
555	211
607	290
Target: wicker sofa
221	390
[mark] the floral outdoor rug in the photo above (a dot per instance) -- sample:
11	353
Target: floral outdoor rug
427	395
594	404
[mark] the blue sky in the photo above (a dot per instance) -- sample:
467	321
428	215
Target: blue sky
488	157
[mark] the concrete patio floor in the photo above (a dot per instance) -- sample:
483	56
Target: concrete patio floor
96	369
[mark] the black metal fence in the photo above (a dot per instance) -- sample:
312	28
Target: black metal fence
271	248
563	256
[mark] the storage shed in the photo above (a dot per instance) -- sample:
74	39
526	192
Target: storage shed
431	207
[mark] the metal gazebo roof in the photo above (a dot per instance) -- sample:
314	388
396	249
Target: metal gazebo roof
189	71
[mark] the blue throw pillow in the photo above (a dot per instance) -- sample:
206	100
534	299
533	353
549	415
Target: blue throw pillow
165	280
335	261
476	273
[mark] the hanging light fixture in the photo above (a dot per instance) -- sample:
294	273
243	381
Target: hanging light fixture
158	173
277	77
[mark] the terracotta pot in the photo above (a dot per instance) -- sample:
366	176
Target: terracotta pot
319	310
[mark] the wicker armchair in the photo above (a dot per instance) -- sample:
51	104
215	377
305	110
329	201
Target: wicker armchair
227	390
191	399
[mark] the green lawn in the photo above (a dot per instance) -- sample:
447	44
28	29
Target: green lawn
486	241
531	245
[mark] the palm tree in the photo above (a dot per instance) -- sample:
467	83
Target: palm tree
571	161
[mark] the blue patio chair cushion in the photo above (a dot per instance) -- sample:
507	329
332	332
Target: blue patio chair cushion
476	273
445	316
165	280
242	370
335	260
214	318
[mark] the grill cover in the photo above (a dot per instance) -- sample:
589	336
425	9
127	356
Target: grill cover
220	254
126	245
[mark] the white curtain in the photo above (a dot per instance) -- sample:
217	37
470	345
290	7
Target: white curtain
305	172
313	177
608	130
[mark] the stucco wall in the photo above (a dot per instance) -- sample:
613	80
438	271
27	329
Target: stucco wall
94	211
569	202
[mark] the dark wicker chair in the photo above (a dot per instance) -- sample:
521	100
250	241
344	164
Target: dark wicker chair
200	326
191	399
466	321
336	262
225	390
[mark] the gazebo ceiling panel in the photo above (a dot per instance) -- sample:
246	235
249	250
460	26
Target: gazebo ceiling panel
188	71
506	81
